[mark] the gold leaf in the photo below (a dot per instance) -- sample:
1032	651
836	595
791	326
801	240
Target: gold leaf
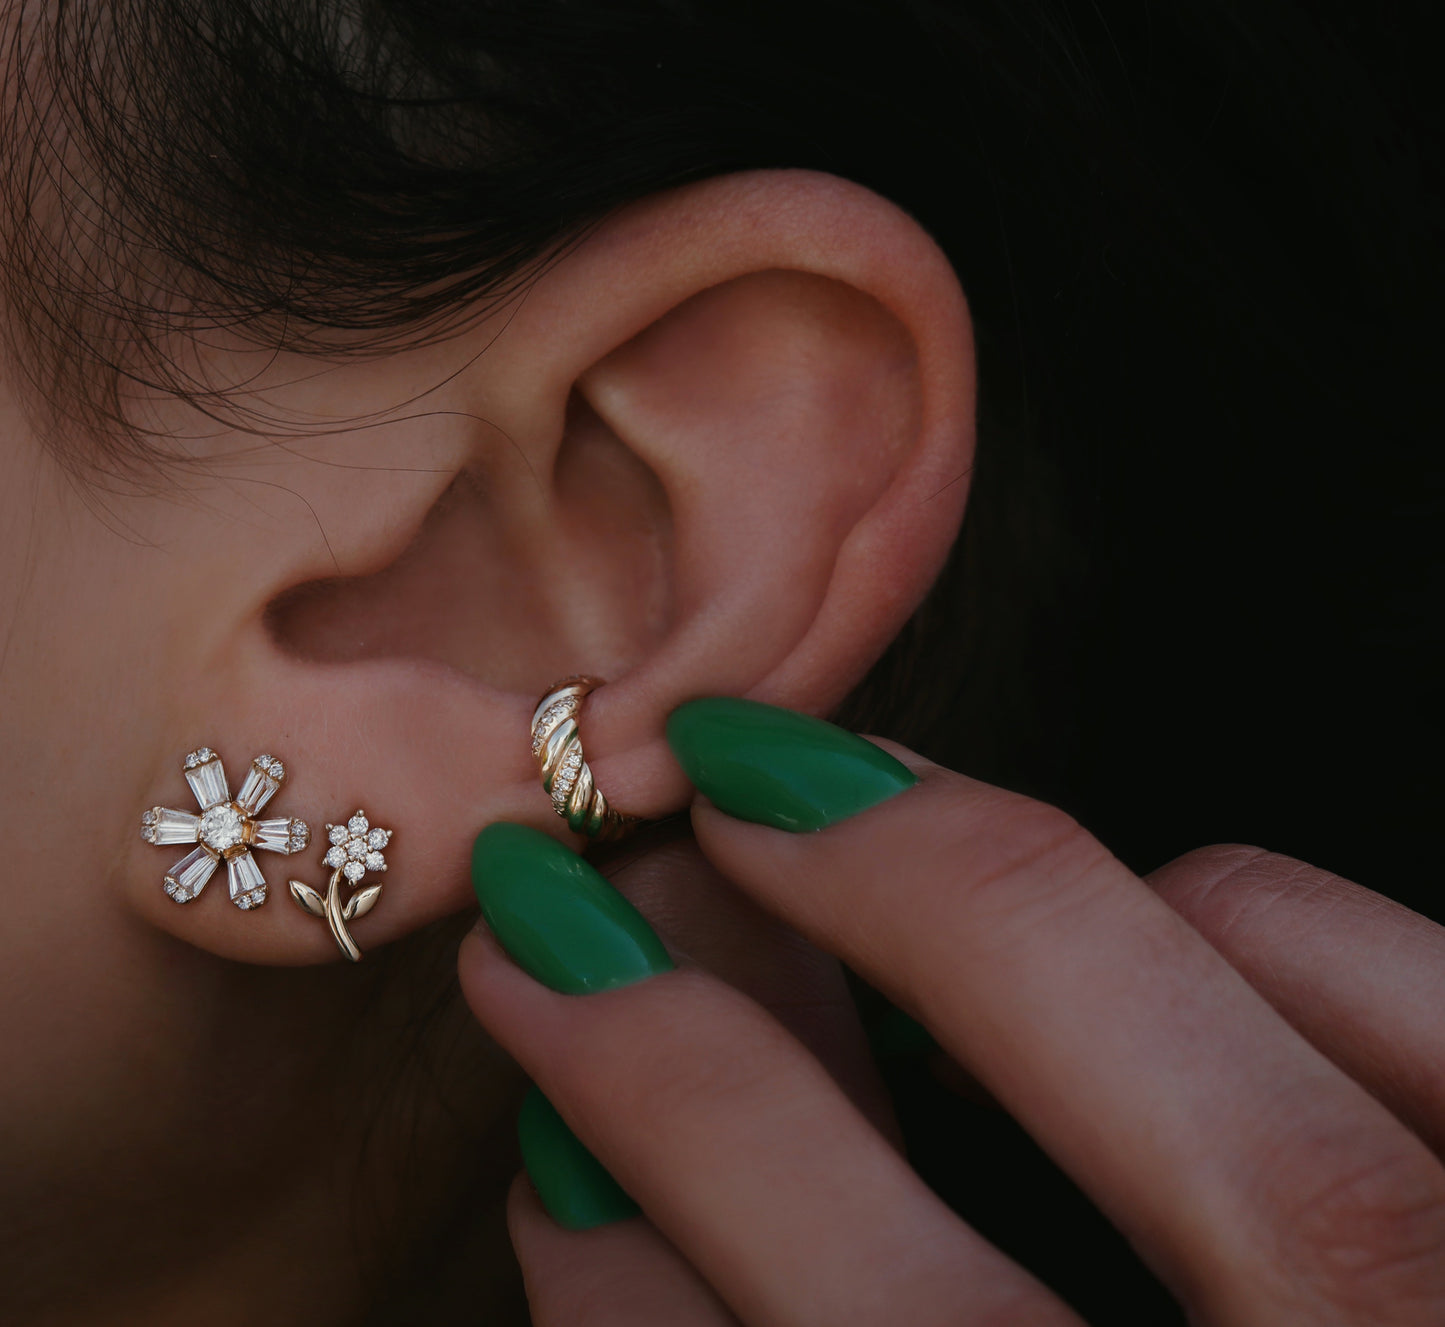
308	898
359	904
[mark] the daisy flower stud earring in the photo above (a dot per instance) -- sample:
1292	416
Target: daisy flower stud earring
356	848
225	829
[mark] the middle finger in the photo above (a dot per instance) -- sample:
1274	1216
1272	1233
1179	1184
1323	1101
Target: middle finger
1262	1183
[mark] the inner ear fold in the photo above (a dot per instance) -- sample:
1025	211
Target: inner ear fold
517	573
679	534
778	409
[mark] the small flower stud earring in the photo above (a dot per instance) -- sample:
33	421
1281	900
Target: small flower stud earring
225	830
356	848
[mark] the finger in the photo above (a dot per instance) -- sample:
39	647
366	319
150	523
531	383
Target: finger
1360	976
621	1275
663	873
738	1145
1262	1183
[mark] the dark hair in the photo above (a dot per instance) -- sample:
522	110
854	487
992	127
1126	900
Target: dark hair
1199	242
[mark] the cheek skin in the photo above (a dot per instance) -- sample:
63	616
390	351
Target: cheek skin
86	672
136	1063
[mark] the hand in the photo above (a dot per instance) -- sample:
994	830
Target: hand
1242	1059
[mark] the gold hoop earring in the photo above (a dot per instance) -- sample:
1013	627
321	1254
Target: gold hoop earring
566	777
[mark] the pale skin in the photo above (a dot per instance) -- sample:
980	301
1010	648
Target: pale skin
720	449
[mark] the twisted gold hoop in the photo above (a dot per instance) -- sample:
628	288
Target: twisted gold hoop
557	749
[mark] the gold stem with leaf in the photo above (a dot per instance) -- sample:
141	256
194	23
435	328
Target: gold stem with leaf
355	849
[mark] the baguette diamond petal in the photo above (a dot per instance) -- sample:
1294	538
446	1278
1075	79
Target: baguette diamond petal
224	829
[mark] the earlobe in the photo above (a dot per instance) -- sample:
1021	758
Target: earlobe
719	449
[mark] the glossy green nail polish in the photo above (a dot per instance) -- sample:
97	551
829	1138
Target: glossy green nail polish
572	1184
557	917
775	767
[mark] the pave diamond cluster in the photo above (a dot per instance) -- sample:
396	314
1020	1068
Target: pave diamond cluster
225	830
356	847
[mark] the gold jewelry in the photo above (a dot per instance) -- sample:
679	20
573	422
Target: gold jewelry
226	829
557	748
355	849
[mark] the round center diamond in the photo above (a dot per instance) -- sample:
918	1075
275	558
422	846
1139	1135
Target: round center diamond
222	827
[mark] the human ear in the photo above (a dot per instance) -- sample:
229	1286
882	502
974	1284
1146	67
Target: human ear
720	446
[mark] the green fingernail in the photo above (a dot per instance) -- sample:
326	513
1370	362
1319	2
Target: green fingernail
778	768
557	917
572	1184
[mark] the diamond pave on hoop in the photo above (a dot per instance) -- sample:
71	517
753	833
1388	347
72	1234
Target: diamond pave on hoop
225	830
566	776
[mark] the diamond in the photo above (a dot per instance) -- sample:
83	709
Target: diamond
375	862
337	833
208	781
199	756
272	835
150	817
356	849
566	775
190	874
555	713
171	826
243	876
358	824
300	835
278	770
258	789
335	857
222	827
378	838
354	871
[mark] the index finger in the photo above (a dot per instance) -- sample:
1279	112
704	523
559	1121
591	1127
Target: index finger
1261	1182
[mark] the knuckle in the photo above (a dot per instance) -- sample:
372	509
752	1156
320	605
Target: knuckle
701	1043
1372	1239
1227	887
1032	860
